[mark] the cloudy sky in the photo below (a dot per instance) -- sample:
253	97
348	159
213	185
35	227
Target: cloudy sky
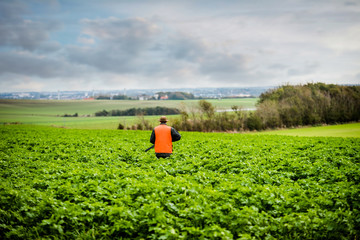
50	45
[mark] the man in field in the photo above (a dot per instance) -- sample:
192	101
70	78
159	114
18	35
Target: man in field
162	137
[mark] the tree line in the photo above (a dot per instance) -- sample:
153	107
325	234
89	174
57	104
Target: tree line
283	107
175	95
310	104
115	97
70	115
139	111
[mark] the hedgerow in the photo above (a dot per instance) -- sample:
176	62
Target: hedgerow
287	106
100	184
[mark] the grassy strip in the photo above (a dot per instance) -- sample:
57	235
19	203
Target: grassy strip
80	122
343	130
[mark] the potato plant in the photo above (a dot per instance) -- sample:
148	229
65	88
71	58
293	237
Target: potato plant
100	184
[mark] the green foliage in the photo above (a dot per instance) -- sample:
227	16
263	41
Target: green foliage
310	104
204	118
207	108
121	97
70	115
253	122
176	95
139	111
92	184
287	106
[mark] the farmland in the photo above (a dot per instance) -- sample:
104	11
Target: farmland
100	184
42	112
342	130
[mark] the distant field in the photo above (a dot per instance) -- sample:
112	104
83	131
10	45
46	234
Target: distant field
49	112
43	112
343	130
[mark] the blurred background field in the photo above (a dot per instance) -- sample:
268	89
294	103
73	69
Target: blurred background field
342	130
50	112
84	107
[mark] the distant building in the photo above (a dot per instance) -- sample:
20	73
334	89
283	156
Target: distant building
143	97
24	95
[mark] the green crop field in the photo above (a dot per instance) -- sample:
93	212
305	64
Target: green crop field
100	184
49	112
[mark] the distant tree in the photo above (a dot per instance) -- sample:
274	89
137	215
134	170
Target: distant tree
102	113
70	115
253	122
176	95
120	97
102	97
207	108
139	111
312	103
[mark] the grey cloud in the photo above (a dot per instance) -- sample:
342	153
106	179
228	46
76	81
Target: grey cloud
129	35
185	48
219	62
104	59
139	46
49	47
120	44
278	66
357	76
350	4
207	61
18	32
31	65
306	69
11	9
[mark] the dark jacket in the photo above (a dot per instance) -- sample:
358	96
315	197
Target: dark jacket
175	136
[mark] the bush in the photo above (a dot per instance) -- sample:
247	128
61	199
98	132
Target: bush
139	111
253	122
310	104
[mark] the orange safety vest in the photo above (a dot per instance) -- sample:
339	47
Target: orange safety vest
163	139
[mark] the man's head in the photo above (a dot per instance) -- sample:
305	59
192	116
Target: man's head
163	119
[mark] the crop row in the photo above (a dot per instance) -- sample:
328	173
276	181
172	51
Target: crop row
100	184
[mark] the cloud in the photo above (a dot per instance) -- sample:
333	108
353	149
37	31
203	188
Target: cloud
140	46
33	65
182	47
278	66
358	77
128	35
204	60
224	63
349	3
135	44
305	69
118	43
15	31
